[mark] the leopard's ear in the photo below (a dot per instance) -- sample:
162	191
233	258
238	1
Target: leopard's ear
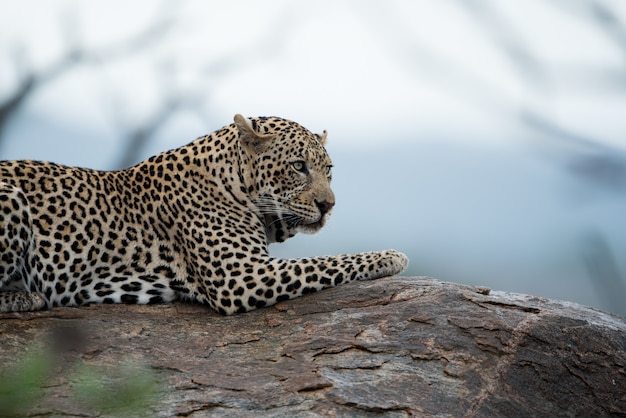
322	137
252	140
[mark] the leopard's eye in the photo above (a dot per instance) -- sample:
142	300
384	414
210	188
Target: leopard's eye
300	167
329	171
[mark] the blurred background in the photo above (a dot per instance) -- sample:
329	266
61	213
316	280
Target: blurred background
485	139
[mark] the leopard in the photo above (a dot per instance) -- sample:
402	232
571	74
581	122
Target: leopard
190	224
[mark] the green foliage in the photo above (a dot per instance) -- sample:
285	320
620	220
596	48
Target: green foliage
123	390
21	385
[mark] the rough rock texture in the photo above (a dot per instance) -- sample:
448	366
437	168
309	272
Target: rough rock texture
401	346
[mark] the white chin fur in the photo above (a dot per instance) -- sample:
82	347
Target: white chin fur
313	227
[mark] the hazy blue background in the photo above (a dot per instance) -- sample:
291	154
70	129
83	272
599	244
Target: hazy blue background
486	139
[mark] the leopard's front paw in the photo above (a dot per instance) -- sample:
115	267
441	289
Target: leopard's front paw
398	261
387	263
21	301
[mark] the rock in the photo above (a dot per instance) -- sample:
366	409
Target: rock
400	346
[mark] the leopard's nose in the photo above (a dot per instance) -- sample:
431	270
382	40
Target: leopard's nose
324	206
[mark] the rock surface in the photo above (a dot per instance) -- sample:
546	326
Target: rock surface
400	346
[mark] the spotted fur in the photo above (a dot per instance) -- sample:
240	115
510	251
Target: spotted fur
193	223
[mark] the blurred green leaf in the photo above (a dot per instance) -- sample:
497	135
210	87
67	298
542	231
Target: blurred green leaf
21	385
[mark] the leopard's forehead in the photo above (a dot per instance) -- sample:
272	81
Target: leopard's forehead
272	124
293	139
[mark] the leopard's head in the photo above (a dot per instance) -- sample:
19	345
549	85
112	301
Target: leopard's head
290	175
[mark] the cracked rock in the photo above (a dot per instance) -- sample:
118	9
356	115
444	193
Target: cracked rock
400	346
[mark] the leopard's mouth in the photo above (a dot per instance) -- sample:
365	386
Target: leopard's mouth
313	226
318	224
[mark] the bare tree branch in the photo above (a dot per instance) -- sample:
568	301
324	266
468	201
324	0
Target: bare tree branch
611	23
501	32
138	135
10	105
177	99
75	55
590	160
604	271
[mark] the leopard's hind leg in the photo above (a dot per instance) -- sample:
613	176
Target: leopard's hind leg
16	242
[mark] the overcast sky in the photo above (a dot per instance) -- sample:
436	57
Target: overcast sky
465	133
370	72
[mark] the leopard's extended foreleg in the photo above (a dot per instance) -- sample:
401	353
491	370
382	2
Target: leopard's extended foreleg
275	280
